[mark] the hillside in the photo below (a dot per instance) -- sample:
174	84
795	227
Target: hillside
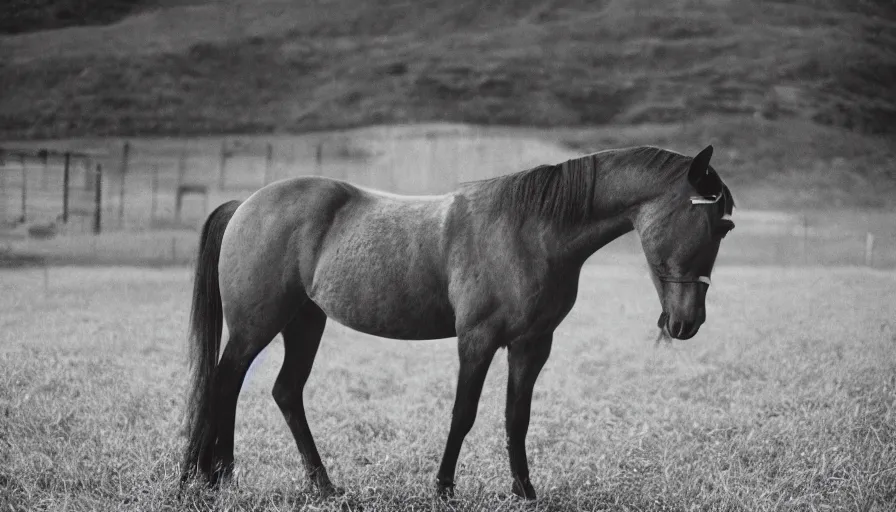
20	16
180	67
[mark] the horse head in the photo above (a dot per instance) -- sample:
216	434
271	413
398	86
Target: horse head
680	232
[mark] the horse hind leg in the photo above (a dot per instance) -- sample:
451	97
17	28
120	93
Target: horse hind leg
242	348
301	339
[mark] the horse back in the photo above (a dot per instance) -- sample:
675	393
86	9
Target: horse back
372	261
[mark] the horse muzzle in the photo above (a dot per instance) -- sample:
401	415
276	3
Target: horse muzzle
680	328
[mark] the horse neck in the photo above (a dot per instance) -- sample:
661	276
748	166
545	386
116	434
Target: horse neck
579	208
622	194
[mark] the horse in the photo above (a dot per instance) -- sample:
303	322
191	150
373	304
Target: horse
495	263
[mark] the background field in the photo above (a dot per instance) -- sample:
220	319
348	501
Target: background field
815	202
786	400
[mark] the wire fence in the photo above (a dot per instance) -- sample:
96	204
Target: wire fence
124	201
138	188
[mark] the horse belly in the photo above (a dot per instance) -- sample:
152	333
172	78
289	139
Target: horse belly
385	285
391	308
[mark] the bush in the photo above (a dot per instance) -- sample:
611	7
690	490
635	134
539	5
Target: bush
17	16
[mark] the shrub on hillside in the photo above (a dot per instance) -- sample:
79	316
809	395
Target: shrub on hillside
17	16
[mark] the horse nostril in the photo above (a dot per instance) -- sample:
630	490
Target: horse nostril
676	329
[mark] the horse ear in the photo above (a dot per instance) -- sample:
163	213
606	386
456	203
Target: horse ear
700	165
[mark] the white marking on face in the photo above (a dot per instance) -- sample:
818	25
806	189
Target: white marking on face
706	200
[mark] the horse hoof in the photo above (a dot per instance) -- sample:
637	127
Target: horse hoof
523	489
445	491
221	476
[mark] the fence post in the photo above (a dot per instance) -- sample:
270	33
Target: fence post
24	188
222	166
869	249
125	157
45	160
65	178
319	157
182	166
98	200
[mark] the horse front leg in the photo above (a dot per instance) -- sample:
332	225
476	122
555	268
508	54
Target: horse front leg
476	350
525	360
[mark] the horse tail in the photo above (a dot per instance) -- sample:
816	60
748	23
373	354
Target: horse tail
206	323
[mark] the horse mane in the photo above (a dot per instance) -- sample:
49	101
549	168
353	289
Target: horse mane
565	192
729	200
559	192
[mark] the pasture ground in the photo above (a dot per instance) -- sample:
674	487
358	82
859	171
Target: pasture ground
786	400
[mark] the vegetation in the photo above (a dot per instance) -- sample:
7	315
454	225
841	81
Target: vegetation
275	66
17	16
784	401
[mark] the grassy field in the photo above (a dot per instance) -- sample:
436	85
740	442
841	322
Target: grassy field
786	400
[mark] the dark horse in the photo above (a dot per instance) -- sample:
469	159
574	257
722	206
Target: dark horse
495	263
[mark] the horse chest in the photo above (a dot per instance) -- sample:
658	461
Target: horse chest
543	308
521	298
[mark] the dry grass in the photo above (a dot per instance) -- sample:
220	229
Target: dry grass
786	400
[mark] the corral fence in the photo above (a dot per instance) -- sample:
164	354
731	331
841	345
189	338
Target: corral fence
53	191
50	186
142	201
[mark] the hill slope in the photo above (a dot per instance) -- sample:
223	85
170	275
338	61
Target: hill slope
19	16
280	65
